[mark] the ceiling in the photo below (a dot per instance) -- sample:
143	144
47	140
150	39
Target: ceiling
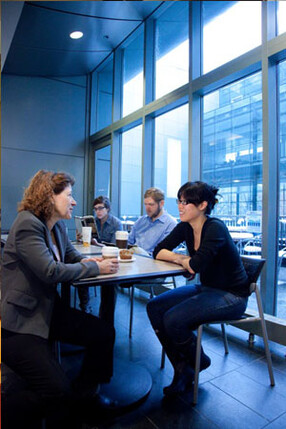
41	45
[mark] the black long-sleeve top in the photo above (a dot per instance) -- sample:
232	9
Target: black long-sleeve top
217	259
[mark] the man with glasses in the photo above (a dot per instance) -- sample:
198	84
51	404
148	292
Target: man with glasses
153	227
107	225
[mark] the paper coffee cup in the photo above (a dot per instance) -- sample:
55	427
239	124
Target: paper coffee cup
110	252
86	235
121	239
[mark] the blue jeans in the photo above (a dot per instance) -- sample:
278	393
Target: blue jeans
176	313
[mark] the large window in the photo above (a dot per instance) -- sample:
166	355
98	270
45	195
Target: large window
232	147
102	172
230	28
281	302
133	74
171	154
104	97
131	170
172	49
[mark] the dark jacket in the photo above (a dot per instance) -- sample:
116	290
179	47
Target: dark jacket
30	274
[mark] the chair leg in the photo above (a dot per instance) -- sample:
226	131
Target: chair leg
198	364
265	338
131	310
74	299
225	342
58	351
174	282
163	357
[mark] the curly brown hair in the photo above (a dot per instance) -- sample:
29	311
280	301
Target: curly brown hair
38	195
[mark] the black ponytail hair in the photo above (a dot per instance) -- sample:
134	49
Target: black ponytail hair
197	192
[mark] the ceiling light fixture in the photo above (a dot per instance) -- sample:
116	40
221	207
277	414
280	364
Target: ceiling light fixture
76	35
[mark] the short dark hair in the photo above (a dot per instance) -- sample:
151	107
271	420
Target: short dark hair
102	200
197	192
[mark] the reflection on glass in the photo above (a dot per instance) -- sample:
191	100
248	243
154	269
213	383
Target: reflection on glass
230	28
281	15
171	154
281	298
133	75
102	172
131	168
104	100
232	145
232	158
172	49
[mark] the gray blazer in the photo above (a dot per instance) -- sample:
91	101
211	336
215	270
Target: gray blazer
30	274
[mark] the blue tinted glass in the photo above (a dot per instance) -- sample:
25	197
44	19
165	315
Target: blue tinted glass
133	74
102	172
171	154
232	147
172	48
230	28
131	167
281	296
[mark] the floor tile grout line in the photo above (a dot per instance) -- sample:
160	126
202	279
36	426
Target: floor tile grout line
242	403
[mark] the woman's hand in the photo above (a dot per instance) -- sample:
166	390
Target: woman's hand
178	259
108	266
186	264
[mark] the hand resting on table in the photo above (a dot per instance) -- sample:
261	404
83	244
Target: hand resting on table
106	266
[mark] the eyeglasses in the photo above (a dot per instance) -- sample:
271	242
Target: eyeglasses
183	202
99	208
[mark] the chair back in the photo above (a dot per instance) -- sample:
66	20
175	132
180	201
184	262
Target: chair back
253	267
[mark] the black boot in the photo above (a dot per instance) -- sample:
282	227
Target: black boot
188	350
182	380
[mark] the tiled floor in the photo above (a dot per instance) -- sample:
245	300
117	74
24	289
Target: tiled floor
234	393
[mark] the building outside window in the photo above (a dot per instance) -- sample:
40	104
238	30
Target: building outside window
133	57
233	26
172	49
131	170
171	154
232	147
281	300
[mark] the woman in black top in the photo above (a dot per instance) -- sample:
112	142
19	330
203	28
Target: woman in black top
221	295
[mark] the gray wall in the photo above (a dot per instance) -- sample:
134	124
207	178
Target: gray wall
43	126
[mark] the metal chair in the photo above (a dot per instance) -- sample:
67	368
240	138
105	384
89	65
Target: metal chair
253	246
253	267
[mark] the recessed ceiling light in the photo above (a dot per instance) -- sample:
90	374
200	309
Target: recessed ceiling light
76	35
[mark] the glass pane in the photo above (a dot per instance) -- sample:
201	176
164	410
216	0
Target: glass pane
232	151
172	49
232	158
104	101
102	172
230	28
281	302
171	154
281	17
133	74
131	168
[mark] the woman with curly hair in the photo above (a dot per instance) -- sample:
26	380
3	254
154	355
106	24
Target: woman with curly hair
221	295
37	256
